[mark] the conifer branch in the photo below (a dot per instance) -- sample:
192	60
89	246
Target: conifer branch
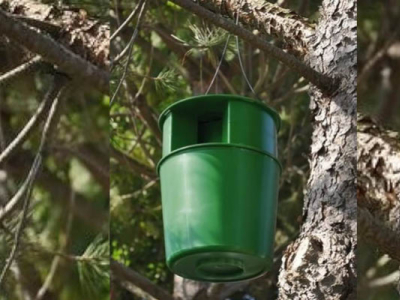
323	82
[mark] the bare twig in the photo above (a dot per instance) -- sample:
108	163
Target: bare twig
30	180
32	123
47	130
30	66
145	112
53	94
84	209
377	57
130	49
385	280
140	191
127	21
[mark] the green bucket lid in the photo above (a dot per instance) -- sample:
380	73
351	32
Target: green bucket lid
215	99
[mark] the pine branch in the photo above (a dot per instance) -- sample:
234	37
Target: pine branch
127	21
53	52
267	18
323	82
122	273
84	36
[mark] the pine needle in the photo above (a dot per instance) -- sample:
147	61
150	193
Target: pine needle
166	79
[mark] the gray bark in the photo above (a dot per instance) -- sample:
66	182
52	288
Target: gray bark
320	264
269	19
378	187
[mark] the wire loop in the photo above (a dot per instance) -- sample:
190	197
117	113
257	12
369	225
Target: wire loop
240	62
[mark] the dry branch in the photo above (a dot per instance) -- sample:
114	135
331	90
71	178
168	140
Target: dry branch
84	36
55	92
49	127
54	52
32	124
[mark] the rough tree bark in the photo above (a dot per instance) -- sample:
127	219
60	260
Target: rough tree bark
269	19
378	187
320	264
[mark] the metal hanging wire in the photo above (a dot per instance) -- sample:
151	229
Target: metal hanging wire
240	62
219	64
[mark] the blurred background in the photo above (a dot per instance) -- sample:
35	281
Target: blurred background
379	61
63	250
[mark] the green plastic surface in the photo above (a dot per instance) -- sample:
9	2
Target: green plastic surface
219	187
219	118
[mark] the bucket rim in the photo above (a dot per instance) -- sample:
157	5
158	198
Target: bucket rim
218	145
272	112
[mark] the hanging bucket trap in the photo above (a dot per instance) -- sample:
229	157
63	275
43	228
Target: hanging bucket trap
219	183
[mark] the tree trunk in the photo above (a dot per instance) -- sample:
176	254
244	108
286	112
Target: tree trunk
320	264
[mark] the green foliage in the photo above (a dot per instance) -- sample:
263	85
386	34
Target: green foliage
207	37
75	165
166	79
94	267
